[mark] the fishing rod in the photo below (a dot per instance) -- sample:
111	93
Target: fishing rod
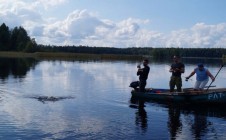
215	77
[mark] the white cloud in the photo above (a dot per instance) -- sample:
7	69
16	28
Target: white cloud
18	13
81	24
126	29
200	35
82	27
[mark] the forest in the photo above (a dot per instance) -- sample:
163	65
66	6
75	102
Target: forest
17	40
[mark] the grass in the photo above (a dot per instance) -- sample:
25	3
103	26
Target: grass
70	56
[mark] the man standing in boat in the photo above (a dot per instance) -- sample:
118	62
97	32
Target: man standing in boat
177	68
202	77
143	75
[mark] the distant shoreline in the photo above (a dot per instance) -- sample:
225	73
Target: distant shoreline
76	56
71	56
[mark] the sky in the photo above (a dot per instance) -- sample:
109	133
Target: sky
120	23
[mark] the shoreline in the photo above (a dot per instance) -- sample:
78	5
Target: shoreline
76	56
69	56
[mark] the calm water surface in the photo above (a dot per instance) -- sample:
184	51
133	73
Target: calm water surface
92	100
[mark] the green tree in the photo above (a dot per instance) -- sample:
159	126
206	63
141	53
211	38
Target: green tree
13	39
31	46
19	39
4	37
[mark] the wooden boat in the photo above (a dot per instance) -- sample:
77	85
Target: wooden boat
212	96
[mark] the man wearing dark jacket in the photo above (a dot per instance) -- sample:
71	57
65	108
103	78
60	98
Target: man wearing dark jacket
143	75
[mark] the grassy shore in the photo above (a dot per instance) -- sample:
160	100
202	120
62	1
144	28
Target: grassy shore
70	56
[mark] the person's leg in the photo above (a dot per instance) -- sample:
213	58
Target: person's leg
203	84
172	83
142	85
179	84
197	85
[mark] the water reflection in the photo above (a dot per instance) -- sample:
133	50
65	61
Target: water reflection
89	100
200	125
185	121
18	67
141	115
174	122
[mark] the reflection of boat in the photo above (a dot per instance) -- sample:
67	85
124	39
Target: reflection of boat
198	122
141	115
212	96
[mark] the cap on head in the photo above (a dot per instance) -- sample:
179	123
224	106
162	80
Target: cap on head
200	65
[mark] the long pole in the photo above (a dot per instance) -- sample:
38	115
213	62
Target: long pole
214	77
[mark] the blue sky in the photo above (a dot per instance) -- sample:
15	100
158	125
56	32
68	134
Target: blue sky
120	23
164	15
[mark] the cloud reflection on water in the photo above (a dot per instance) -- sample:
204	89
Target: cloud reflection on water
89	114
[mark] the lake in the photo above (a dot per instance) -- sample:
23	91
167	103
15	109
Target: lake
91	99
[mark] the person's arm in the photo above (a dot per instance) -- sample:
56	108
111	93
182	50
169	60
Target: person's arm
139	71
192	73
210	75
171	69
181	69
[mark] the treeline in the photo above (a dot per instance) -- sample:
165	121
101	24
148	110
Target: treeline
154	52
17	39
96	50
188	52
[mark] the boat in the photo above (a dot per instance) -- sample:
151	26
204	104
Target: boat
210	96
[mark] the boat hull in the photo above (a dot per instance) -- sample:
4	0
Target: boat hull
217	96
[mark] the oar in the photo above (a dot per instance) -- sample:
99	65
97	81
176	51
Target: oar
214	77
209	86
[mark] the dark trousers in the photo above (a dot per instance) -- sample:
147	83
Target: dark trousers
175	81
142	84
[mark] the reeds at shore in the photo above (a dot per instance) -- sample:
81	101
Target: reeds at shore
70	56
